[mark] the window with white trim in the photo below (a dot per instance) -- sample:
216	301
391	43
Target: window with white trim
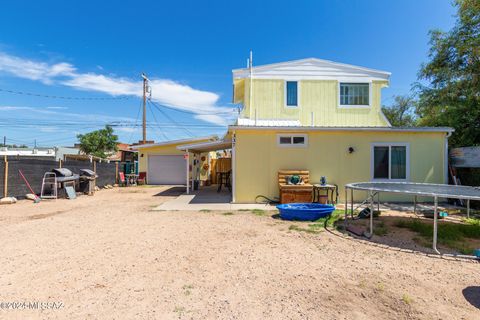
354	94
390	161
291	94
292	140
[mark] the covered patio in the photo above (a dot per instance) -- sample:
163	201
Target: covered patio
195	150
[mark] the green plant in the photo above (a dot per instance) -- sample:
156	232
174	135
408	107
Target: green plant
297	228
406	299
380	229
99	143
205	210
258	212
451	235
228	213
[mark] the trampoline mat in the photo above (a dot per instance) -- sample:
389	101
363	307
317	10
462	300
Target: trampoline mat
423	189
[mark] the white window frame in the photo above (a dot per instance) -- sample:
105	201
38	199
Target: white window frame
291	136
361	106
390	145
285	93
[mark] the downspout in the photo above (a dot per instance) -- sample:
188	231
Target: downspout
445	178
187	160
234	170
250	99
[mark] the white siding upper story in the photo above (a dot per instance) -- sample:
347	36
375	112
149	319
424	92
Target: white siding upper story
311	91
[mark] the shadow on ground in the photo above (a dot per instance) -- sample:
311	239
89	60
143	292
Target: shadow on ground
472	295
171	192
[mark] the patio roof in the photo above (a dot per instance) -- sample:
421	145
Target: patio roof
206	146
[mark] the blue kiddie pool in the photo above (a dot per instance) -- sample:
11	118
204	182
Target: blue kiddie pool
304	211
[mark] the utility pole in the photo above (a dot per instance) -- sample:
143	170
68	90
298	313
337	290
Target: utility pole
4	141
145	86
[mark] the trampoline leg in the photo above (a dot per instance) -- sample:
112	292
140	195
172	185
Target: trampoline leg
468	208
378	202
435	225
351	202
415	205
372	195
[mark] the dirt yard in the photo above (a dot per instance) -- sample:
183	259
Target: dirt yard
111	257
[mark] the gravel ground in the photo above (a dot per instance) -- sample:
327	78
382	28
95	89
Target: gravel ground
110	257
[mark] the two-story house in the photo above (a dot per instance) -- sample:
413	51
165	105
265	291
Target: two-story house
324	117
310	114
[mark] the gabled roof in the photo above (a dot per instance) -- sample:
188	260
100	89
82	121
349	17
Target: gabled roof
312	68
174	142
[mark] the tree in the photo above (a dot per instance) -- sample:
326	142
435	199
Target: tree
402	112
99	143
452	95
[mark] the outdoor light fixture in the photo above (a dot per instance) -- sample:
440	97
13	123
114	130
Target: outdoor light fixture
141	155
350	150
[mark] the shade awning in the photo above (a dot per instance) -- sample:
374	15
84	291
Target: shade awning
206	146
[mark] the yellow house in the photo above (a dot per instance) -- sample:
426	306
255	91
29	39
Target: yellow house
164	164
309	114
324	117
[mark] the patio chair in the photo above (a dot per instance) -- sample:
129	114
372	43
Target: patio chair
121	179
142	178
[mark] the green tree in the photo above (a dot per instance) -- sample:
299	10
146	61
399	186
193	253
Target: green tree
99	143
451	96
402	112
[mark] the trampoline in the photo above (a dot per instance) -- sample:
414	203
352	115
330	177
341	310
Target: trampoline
416	189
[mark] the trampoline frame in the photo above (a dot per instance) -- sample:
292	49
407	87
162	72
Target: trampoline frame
377	189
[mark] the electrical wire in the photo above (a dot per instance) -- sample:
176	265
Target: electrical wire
63	97
172	120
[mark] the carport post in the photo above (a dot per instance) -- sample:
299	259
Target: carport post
435	221
188	167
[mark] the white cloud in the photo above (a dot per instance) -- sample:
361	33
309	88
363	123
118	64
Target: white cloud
203	104
33	70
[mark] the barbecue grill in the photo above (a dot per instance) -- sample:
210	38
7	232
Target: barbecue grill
58	179
87	181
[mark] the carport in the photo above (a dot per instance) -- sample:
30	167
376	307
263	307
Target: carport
196	149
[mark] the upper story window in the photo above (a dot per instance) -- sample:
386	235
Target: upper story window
291	94
390	161
354	94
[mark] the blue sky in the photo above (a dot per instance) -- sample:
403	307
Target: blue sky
98	49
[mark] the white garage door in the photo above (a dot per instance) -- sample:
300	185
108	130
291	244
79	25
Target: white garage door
166	170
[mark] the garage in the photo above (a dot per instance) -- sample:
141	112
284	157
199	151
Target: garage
166	169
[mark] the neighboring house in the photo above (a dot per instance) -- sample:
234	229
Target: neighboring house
324	117
28	152
123	154
163	163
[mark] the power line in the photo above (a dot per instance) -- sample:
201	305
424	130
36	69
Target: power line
172	120
231	112
63	97
156	122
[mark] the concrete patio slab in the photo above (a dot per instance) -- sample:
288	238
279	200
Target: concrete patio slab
207	198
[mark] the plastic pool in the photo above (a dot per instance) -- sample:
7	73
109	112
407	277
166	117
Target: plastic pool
304	211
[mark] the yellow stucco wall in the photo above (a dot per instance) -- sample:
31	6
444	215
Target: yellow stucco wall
259	158
318	96
169	150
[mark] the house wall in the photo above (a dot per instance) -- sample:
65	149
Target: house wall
318	96
169	150
259	158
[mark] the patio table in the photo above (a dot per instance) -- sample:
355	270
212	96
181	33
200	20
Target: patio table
331	190
132	179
